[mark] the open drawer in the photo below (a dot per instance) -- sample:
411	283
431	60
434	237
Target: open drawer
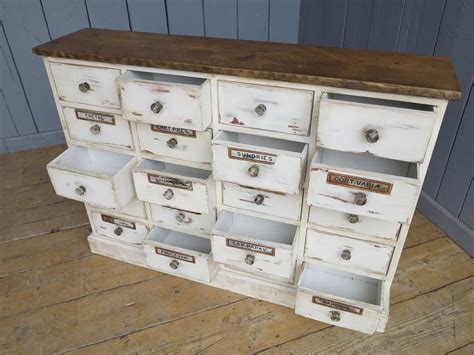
364	185
179	254
260	162
255	244
93	176
163	99
339	298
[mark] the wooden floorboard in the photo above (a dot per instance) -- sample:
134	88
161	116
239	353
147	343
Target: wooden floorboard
55	296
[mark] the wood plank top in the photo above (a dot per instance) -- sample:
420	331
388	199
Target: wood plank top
385	72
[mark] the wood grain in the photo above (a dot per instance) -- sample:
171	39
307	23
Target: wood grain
346	68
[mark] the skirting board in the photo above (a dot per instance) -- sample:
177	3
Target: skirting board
448	223
32	141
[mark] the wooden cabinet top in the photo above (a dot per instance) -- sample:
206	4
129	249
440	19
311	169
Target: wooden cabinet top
385	72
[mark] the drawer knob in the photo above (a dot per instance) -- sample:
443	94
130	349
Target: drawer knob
168	194
249	259
172	142
84	87
259	199
95	129
353	218
253	170
156	107
80	190
372	135
360	199
118	231
260	109
335	316
174	264
346	254
180	216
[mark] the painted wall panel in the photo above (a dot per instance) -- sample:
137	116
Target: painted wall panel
284	15
112	14
64	17
358	23
253	19
185	17
220	17
467	212
148	16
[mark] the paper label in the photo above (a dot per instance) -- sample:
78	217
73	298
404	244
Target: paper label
95	116
251	155
258	248
359	183
175	255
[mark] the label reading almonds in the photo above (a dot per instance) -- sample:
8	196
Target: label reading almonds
262	249
338	305
118	221
359	183
95	116
250	155
171	182
174	131
175	255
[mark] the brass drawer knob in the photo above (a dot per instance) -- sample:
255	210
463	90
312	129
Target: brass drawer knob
260	109
353	218
84	87
168	194
335	316
253	171
156	107
80	190
346	254
259	199
360	199
172	142
180	216
95	129
372	135
118	231
174	264
249	259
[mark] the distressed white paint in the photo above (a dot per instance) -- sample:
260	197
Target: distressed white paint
174	218
124	230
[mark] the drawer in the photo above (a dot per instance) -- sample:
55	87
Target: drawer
363	185
86	85
179	254
265	107
192	221
385	128
93	176
350	253
169	100
254	244
260	162
98	127
111	226
177	143
174	186
346	222
339	298
263	201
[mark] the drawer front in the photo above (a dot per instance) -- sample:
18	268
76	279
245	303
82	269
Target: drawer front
178	143
262	201
119	228
342	221
171	217
373	129
86	85
355	254
265	107
391	200
98	127
253	257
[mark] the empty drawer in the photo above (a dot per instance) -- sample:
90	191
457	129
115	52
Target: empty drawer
192	221
109	225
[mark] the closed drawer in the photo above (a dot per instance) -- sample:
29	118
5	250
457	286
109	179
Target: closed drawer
179	254
254	244
174	186
86	85
259	162
346	222
339	298
262	201
109	225
265	107
171	217
363	185
98	127
360	256
93	176
168	100
384	128
177	143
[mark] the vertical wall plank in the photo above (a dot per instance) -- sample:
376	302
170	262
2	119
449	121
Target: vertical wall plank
467	212
25	27
220	18
64	17
253	19
358	21
385	26
111	14
284	20
3	148
148	16
185	17
311	25
334	22
7	127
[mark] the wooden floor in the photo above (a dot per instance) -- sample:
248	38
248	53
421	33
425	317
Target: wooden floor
55	296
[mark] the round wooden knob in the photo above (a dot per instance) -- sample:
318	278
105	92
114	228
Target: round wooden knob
180	216
353	218
335	316
84	87
156	107
360	199
249	259
253	171
260	109
95	129
118	231
168	194
346	254
372	135
172	142
80	190
174	264
259	199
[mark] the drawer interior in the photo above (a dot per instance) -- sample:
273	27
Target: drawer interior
180	240
260	141
342	284
161	78
256	228
173	169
